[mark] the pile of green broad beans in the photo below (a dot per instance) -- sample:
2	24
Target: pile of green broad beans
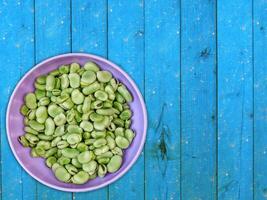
78	119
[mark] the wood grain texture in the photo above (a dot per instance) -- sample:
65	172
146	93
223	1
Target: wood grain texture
198	99
89	34
17	55
260	99
126	48
235	100
52	35
162	95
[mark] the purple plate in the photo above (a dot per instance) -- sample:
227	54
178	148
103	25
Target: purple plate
36	166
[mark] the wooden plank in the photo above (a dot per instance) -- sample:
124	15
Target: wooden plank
198	99
17	54
52	29
89	34
260	99
235	100
162	94
126	48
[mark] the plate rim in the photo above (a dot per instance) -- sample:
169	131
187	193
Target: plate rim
140	148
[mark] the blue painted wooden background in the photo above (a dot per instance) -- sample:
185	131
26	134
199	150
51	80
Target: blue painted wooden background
201	66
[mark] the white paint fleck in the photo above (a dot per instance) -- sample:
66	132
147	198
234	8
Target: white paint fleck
96	45
258	23
171	104
158	26
125	39
82	50
232	145
226	174
17	45
153	92
82	8
96	15
62	22
243	27
18	3
110	10
198	18
3	38
264	152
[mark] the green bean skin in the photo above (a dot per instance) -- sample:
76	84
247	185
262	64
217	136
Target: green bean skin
30	101
91	66
125	93
78	118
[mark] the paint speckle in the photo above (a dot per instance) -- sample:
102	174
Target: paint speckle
205	53
96	15
264	191
125	39
243	28
232	145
